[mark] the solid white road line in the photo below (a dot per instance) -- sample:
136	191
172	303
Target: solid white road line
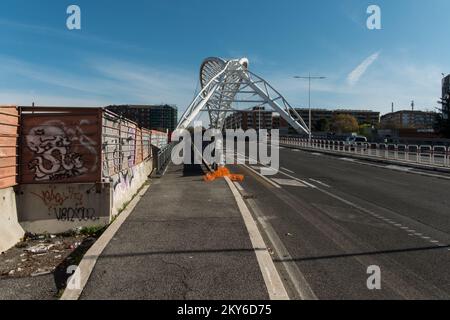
238	185
90	258
269	272
285	169
296	277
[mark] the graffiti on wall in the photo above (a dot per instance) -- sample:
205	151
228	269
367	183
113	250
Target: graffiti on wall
57	151
123	180
67	204
54	158
119	145
129	144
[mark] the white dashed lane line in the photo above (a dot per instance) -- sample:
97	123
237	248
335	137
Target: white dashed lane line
398	168
411	232
288	182
320	182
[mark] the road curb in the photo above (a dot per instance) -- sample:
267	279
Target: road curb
89	260
272	279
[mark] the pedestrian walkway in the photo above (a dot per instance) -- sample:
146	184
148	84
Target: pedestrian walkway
186	239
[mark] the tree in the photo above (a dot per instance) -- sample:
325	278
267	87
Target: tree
322	125
442	126
344	123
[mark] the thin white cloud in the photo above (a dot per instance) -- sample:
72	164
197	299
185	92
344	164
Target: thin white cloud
64	34
107	82
399	81
111	81
359	71
23	98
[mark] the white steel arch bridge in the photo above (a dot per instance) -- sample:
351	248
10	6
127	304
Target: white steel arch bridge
225	83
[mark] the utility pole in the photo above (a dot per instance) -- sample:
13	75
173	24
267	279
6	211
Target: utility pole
309	77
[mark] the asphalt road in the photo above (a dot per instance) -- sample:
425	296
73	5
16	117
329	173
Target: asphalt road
328	219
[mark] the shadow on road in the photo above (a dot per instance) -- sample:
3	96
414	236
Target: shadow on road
350	255
192	170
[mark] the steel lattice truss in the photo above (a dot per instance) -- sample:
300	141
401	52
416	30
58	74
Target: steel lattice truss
226	83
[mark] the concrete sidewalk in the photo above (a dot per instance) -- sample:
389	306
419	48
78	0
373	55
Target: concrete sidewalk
186	239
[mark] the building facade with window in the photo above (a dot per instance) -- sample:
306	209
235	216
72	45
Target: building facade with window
409	119
362	116
255	118
154	117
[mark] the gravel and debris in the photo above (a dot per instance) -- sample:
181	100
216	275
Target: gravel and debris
37	256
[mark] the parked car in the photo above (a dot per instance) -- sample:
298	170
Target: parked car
355	141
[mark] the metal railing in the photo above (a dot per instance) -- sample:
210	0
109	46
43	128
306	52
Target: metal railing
164	157
438	156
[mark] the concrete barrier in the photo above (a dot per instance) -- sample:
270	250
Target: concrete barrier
126	184
77	167
57	208
10	230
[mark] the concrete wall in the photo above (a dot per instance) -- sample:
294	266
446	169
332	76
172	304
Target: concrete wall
79	168
126	184
56	208
10	230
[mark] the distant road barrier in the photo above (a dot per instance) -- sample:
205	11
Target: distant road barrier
163	157
438	156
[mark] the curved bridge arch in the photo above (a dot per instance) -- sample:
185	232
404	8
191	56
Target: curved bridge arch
223	82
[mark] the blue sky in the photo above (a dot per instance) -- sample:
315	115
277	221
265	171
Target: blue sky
139	51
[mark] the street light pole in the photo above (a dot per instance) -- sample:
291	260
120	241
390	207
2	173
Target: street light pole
309	99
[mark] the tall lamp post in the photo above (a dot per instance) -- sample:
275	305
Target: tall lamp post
309	77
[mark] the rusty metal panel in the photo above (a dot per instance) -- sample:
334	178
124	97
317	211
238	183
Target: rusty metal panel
60	145
128	144
146	144
159	139
9	129
110	144
124	144
139	146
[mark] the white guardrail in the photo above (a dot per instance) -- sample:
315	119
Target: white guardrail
438	156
